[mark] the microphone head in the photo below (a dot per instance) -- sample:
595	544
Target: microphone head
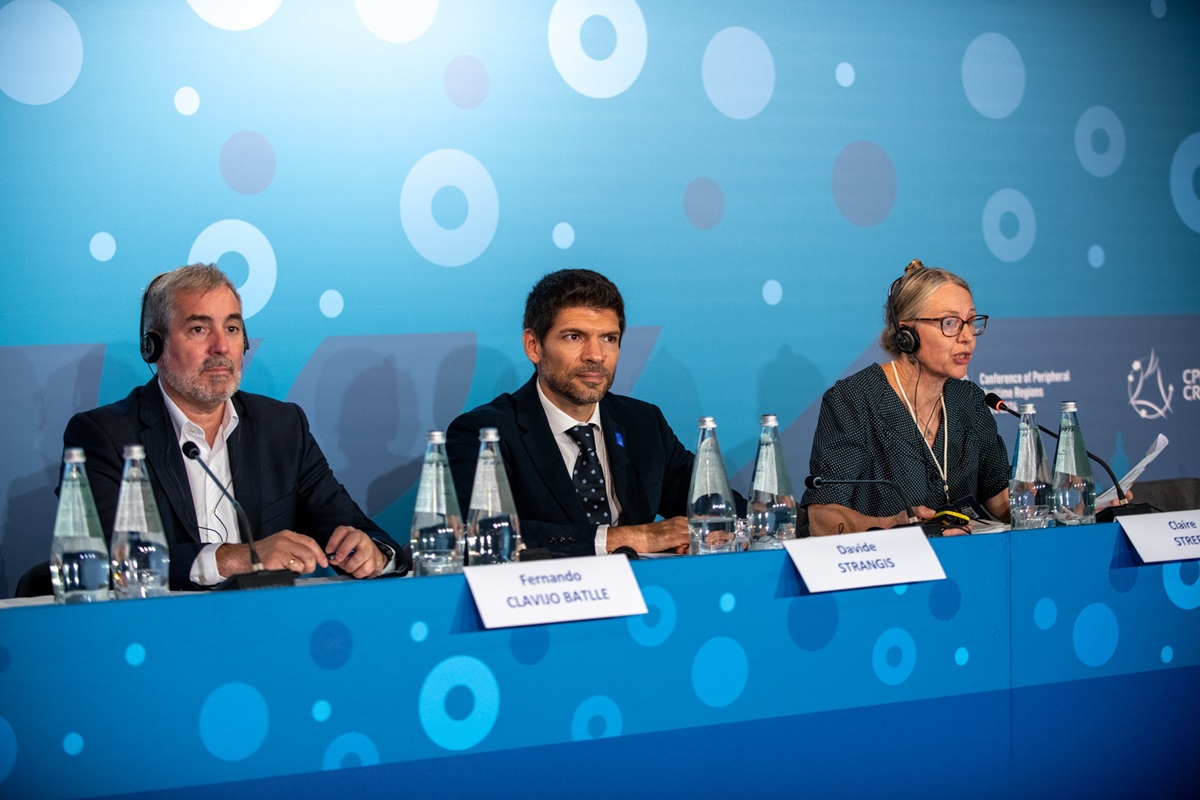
812	482
191	450
994	402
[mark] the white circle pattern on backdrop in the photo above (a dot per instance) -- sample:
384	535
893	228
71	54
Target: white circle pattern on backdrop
397	22
103	246
844	74
238	236
331	303
1006	248
738	73
235	15
563	235
772	292
993	75
1099	118
187	101
1184	165
592	78
41	51
464	244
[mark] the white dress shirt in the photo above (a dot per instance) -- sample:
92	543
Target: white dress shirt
561	422
215	516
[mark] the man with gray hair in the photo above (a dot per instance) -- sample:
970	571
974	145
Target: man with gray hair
260	449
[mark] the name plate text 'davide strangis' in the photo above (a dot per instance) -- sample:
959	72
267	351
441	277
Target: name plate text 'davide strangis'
556	590
859	560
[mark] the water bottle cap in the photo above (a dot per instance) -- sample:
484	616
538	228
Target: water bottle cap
1026	408
135	451
74	455
708	422
489	435
769	419
437	437
1069	405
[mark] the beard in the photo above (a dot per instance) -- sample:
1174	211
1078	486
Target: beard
579	393
206	389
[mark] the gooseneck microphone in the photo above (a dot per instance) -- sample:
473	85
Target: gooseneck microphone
994	402
257	578
815	482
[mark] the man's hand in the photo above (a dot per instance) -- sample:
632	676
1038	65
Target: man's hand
655	537
355	553
284	550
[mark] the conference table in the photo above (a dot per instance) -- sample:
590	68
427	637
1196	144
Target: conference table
1049	663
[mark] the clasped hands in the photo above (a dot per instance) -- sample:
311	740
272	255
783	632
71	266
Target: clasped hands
349	549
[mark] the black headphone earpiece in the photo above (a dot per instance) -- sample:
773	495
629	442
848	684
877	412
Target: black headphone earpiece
152	347
152	342
905	338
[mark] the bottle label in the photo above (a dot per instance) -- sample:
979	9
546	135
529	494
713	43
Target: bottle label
859	560
765	472
1170	536
555	590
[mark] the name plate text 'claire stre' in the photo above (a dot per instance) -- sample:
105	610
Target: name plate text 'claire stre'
860	560
1172	536
556	590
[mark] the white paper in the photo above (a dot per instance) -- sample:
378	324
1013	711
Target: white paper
1160	443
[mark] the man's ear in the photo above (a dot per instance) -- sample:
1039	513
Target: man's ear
533	348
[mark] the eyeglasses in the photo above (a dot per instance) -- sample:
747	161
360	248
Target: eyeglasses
952	325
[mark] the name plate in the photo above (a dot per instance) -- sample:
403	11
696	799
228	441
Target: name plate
1171	536
555	590
859	560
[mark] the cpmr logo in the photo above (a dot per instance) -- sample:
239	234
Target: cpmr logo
1146	379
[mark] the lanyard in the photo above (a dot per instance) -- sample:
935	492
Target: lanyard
944	467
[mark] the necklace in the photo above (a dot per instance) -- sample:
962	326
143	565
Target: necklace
944	467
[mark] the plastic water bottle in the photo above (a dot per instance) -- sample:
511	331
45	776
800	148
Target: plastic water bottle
493	530
1030	493
1074	487
712	516
437	522
78	554
141	560
771	512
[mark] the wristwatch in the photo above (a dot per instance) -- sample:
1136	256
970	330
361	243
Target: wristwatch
388	551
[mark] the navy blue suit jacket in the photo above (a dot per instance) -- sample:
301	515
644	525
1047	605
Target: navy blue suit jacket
651	470
280	476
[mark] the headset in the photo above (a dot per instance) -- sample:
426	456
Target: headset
905	338
152	341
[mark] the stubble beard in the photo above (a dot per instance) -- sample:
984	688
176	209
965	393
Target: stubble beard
580	395
206	390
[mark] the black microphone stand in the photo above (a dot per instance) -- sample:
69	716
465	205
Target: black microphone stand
931	529
257	578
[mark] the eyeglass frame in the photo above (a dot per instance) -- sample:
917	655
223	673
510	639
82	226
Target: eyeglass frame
961	322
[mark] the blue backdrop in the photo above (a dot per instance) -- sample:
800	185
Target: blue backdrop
386	180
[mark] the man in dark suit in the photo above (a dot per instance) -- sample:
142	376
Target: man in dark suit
590	471
262	449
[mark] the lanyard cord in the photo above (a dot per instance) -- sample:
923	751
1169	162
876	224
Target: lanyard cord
944	467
